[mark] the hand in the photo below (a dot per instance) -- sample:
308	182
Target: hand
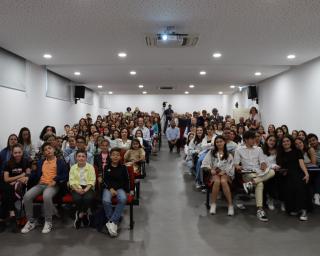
306	178
213	172
100	179
113	192
222	173
79	191
263	166
52	184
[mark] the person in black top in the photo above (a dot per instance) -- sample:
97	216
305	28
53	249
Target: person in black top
116	182
296	178
168	115
15	178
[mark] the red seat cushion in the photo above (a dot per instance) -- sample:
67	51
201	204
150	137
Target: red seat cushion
66	199
130	199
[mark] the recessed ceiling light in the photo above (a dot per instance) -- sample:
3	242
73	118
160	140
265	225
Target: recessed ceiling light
47	56
258	74
232	86
77	73
291	56
122	55
217	55
144	92
100	86
186	92
191	86
110	92
202	73
133	73
220	93
140	86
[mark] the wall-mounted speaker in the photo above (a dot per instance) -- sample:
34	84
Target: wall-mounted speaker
79	92
252	92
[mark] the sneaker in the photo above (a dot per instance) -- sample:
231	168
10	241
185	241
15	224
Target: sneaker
213	209
203	190
28	227
114	228
247	186
241	206
261	215
283	207
316	199
85	220
110	228
270	204
198	185
230	210
14	225
77	221
47	227
303	215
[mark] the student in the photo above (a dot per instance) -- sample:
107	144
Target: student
135	155
271	129
50	173
46	130
279	135
72	146
297	178
231	145
24	139
220	164
138	135
294	134
219	130
5	153
254	118
195	146
16	174
253	159
114	137
116	181
82	179
309	154
285	129
173	136
81	144
302	135
123	142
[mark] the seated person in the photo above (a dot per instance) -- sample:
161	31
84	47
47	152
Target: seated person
220	164
72	147
173	136
5	153
102	160
82	179
134	155
252	159
116	182
81	144
16	175
51	172
123	142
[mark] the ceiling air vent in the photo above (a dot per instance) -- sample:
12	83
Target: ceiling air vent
166	88
172	40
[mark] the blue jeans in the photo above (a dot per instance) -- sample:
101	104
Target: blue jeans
114	216
199	173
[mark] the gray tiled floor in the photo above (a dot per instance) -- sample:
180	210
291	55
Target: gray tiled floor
172	220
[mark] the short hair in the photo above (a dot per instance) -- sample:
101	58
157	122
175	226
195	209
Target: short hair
81	138
116	149
44	145
79	151
312	135
249	135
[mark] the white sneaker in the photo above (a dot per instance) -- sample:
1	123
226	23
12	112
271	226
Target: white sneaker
230	210
198	186
283	207
241	206
261	215
47	227
247	186
316	199
270	204
28	227
114	228
111	229
303	216
213	209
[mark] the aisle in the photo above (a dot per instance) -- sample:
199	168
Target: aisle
172	221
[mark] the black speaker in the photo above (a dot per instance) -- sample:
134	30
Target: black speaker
79	92
252	92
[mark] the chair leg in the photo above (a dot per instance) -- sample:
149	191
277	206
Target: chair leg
131	217
208	199
138	190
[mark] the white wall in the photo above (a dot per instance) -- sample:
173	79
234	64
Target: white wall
180	103
34	110
293	98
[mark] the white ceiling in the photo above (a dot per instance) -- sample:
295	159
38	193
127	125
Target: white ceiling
86	35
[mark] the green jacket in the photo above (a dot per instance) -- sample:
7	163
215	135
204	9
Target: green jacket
74	176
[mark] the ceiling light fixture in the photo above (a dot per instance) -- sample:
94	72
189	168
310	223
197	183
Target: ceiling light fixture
100	86
217	55
133	73
191	86
77	73
144	92
110	92
258	74
47	56
202	73
291	56
232	86
186	92
122	55
220	93
140	86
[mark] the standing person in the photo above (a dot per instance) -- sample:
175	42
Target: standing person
168	116
252	159
173	136
297	178
220	164
82	179
254	118
50	173
216	118
24	139
116	181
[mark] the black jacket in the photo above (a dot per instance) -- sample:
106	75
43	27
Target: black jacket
116	178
